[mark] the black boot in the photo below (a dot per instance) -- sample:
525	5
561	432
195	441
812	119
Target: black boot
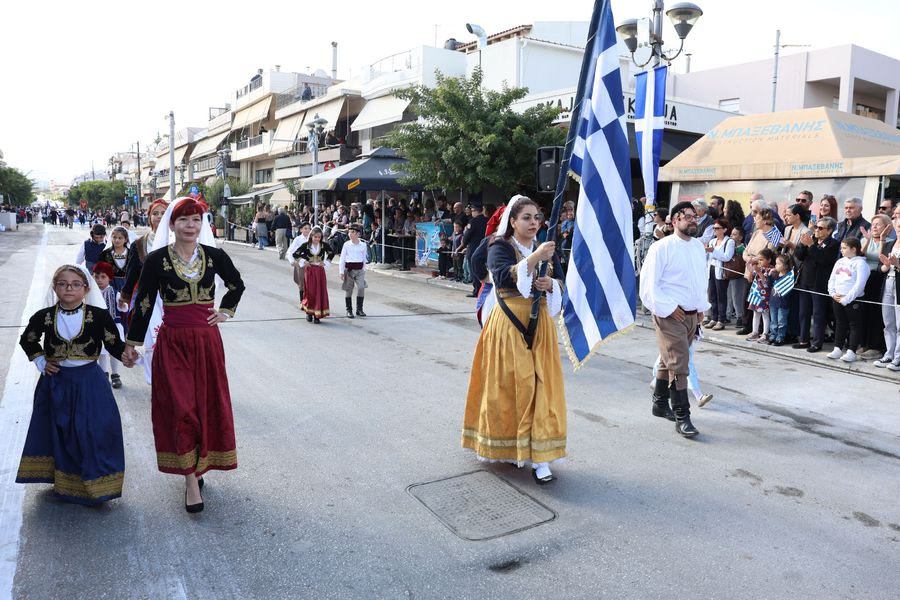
682	409
349	307
661	400
359	306
309	317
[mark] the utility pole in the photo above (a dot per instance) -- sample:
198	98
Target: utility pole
171	156
140	195
778	47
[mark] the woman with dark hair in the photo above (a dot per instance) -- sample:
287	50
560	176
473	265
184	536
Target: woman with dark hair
116	255
191	405
828	207
734	214
796	226
719	251
515	406
314	256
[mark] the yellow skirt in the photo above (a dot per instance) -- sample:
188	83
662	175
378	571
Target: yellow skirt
516	406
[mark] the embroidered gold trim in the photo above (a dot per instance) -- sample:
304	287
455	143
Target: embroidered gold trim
213	458
567	343
227	311
145	305
546	445
73	485
35	467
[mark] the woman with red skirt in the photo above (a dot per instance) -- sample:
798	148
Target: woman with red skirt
315	255
191	406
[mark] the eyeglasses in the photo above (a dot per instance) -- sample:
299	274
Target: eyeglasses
821	227
68	285
717	227
688	217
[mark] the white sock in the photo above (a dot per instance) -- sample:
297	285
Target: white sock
541	470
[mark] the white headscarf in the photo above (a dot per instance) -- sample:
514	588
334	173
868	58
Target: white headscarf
504	220
164	230
93	297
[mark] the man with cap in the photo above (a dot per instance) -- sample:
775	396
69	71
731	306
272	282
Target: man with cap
472	237
672	283
352	265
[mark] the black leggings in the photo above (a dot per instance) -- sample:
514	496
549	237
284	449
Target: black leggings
847	317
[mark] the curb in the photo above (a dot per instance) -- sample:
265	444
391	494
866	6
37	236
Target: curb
860	367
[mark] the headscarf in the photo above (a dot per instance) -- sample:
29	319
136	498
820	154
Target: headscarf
494	220
93	297
504	220
158	202
164	230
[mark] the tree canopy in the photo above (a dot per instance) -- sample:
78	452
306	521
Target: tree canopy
16	187
99	194
467	136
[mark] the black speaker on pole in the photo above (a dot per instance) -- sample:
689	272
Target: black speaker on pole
548	160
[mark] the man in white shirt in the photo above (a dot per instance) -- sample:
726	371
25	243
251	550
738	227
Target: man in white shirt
673	286
352	268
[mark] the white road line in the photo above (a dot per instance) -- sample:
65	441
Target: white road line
15	412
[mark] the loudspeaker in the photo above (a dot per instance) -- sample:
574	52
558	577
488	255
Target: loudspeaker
548	160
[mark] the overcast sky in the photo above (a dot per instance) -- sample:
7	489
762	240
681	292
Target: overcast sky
82	80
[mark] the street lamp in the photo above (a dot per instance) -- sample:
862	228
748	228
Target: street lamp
316	127
683	16
222	170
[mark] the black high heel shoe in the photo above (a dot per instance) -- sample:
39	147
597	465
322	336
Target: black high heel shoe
192	508
200	483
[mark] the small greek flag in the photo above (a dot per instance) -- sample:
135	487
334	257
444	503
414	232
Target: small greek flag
649	122
784	284
755	296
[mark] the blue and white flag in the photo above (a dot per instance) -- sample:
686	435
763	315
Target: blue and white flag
649	122
784	284
600	291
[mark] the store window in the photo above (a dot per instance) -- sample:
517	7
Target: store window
730	104
263	176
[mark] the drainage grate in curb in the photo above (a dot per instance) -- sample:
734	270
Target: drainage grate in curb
480	506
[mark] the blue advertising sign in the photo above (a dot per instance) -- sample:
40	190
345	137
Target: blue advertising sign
428	240
195	191
137	200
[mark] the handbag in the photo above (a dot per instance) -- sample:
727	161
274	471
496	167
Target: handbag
734	268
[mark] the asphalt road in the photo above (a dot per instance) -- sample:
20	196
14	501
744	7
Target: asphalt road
791	491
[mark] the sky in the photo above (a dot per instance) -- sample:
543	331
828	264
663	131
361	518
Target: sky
80	81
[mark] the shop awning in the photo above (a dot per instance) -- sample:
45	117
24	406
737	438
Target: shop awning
378	171
330	111
286	132
380	111
250	196
162	163
179	154
208	145
251	114
796	144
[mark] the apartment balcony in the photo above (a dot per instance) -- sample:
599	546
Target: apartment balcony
335	154
206	167
249	148
413	67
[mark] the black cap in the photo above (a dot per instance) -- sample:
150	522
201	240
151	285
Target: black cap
679	208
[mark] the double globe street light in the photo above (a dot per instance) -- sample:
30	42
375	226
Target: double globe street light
316	128
683	16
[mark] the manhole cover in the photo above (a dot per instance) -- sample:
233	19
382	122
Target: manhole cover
480	506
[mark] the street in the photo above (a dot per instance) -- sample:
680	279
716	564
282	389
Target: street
790	491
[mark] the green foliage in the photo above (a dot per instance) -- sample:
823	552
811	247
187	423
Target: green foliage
16	187
99	194
214	191
468	136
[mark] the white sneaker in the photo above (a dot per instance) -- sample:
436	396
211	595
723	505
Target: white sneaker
883	361
849	356
894	366
836	353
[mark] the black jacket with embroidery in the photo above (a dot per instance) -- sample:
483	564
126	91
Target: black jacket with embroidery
107	256
160	276
97	330
306	254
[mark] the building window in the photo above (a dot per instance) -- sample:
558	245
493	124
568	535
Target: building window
836	103
263	176
869	112
730	104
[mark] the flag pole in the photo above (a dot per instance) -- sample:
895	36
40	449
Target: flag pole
587	64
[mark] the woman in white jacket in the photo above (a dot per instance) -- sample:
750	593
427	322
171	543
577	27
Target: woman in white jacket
719	250
846	284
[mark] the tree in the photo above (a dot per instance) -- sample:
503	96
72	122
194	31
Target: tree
99	194
213	192
16	187
467	136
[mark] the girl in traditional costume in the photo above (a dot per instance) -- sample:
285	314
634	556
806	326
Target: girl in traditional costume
74	439
515	408
191	405
315	255
299	272
116	255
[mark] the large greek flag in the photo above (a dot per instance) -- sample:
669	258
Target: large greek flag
649	121
600	284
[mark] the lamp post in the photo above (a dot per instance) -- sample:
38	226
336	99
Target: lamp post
222	170
316	127
171	117
683	16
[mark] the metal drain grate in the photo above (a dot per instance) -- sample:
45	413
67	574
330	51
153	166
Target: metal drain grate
480	506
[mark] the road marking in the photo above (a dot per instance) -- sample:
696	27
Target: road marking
15	412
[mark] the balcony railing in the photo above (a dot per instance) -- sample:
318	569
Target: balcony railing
256	83
402	61
209	164
295	94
